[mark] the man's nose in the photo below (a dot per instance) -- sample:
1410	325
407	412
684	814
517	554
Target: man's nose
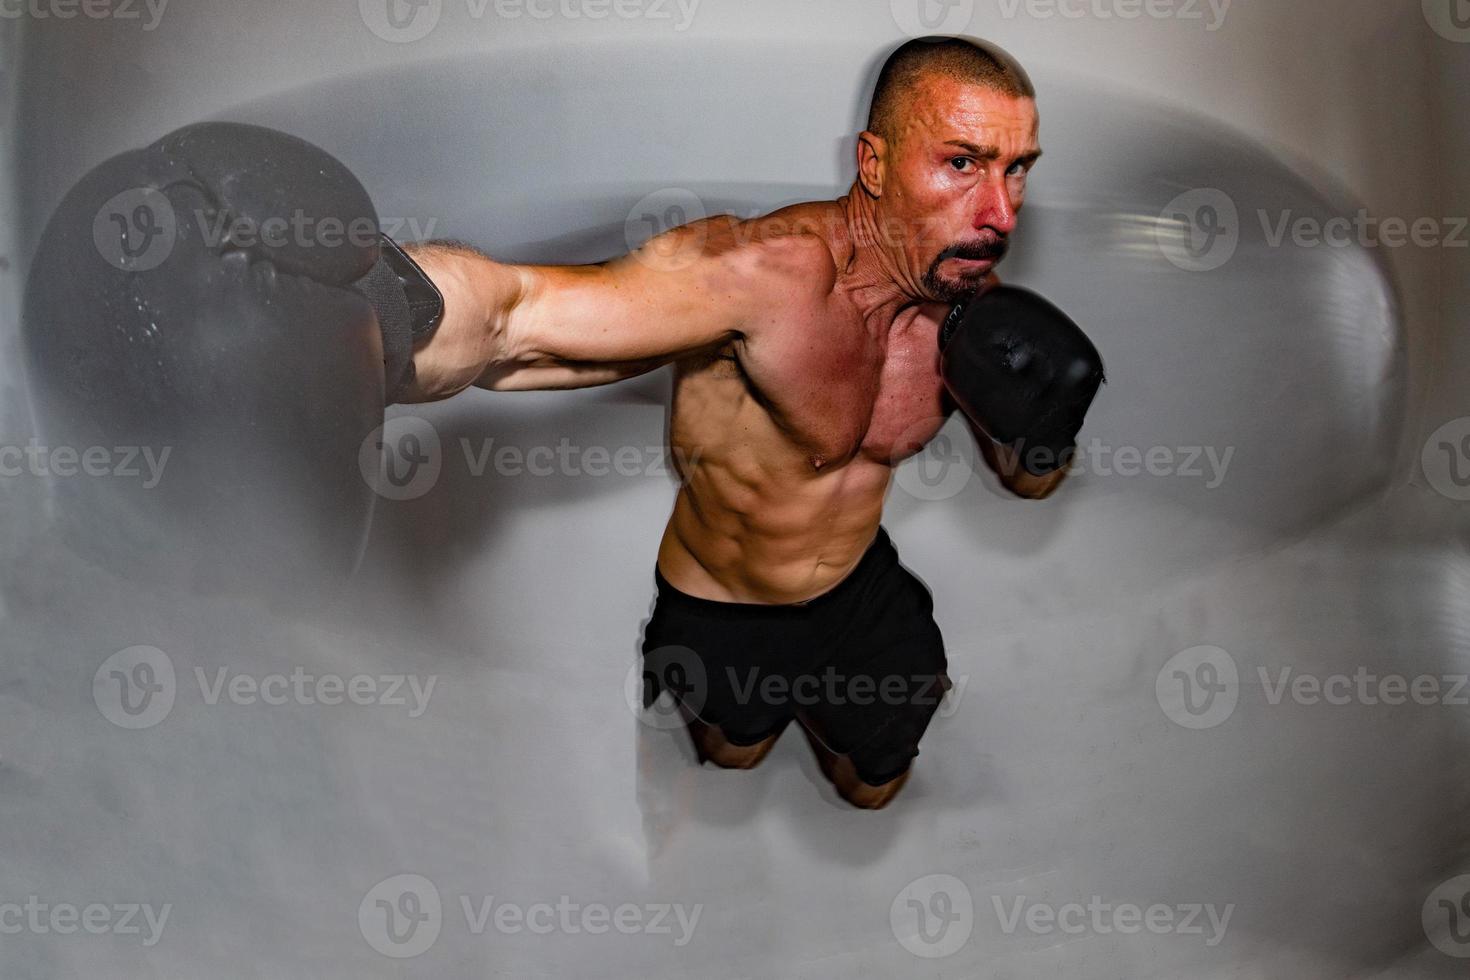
996	211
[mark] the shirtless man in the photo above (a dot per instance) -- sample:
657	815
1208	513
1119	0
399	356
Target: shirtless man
807	366
814	350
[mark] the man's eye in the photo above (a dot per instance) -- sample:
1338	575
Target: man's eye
1017	170
961	163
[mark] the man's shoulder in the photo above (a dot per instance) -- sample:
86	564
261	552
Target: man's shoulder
794	243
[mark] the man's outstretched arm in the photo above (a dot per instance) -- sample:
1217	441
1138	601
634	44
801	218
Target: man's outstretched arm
519	328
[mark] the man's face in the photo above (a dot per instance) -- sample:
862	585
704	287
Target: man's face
955	179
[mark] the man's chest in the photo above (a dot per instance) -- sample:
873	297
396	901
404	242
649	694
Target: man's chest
840	391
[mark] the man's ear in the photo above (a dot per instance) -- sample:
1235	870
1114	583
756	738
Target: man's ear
872	162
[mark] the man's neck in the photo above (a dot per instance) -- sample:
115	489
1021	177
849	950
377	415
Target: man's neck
871	276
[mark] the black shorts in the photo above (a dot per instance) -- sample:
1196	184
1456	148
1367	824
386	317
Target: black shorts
862	664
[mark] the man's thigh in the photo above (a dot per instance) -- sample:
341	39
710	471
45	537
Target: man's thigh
882	681
730	668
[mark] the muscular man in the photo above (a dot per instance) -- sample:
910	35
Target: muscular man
806	351
189	294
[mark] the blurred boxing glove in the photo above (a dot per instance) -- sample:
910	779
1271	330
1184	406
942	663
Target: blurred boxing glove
1023	372
224	300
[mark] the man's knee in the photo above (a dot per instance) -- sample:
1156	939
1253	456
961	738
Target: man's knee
712	744
865	796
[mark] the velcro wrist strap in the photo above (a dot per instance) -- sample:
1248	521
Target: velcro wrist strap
425	302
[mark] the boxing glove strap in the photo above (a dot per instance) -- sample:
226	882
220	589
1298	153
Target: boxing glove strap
952	323
425	302
409	308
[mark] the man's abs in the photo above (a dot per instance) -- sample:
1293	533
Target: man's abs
739	557
764	514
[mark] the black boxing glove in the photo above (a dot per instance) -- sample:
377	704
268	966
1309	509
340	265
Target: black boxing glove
204	296
1023	372
409	308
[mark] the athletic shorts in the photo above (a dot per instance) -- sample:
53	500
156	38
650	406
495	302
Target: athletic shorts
862	664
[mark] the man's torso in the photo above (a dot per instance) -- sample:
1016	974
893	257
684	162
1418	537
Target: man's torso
788	441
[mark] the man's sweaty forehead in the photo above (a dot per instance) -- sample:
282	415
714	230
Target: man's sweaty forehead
974	116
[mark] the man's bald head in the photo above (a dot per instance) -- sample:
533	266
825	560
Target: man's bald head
957	58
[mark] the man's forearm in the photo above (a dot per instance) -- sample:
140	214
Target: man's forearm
479	295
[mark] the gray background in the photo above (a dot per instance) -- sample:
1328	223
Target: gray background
1055	775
